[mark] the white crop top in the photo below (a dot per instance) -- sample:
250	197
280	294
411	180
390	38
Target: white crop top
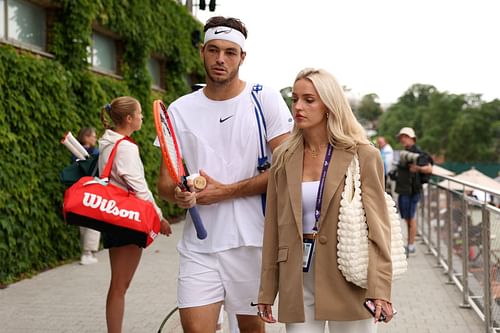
309	194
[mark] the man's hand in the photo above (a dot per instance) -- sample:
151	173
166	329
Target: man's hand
214	191
185	199
414	168
421	168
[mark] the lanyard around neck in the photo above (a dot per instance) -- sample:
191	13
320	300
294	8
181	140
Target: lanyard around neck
321	187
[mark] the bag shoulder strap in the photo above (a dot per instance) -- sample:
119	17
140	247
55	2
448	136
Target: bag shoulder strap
352	180
107	169
262	162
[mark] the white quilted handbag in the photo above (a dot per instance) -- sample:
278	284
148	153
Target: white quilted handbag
352	233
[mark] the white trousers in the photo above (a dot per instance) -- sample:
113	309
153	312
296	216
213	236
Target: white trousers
89	240
318	326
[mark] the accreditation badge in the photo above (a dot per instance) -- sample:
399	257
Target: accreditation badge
308	248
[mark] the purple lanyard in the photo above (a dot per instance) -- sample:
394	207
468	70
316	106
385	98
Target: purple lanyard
321	187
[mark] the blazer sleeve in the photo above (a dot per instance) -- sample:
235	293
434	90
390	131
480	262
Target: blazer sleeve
269	271
379	226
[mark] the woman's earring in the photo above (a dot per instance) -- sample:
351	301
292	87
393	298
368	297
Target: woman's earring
327	114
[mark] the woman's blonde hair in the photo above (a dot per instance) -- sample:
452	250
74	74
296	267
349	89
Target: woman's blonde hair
118	110
344	130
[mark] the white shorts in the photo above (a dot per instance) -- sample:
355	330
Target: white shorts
230	276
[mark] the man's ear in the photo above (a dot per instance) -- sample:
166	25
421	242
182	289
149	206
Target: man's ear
243	55
202	48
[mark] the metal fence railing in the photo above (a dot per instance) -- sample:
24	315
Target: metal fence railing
463	233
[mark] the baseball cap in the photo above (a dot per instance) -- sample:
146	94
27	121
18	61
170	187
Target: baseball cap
407	131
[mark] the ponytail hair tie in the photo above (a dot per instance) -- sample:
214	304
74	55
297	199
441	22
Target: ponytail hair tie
107	107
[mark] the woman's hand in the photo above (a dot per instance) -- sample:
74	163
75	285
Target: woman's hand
165	228
386	307
265	312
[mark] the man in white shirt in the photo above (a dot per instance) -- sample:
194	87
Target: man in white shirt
219	137
386	152
388	157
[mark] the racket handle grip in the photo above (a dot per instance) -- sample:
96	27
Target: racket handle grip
201	232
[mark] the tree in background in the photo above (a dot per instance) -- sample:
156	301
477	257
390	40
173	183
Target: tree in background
437	119
369	109
286	93
459	128
474	135
408	111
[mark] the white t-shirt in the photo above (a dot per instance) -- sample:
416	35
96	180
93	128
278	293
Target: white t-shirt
387	157
222	138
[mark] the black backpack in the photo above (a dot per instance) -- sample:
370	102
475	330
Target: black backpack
78	169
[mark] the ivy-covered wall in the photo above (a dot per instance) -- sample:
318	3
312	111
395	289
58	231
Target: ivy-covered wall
42	98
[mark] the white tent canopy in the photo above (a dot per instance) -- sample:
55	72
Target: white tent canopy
440	171
473	176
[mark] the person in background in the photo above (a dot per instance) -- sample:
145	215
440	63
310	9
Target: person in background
387	157
128	173
87	136
219	136
306	185
409	184
89	238
386	152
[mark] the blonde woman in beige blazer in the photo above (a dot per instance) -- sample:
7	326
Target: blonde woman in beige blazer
324	126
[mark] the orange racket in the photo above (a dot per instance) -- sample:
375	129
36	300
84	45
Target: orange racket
173	159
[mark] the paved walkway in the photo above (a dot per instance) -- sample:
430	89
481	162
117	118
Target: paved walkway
71	298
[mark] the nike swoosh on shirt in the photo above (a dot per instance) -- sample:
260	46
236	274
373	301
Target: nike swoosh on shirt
221	120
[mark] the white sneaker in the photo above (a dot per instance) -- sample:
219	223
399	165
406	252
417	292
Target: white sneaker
88	259
412	249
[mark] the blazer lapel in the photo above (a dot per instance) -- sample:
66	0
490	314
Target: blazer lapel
294	180
335	177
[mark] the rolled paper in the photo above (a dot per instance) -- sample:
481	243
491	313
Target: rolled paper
73	150
75	147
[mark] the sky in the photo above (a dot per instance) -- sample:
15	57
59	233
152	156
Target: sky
372	46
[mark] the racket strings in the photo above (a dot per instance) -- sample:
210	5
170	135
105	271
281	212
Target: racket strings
171	149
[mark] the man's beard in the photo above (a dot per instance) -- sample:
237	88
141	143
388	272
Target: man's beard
217	80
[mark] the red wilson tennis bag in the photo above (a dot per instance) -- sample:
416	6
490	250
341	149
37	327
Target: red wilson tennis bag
95	203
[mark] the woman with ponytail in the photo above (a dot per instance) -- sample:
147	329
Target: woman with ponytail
122	117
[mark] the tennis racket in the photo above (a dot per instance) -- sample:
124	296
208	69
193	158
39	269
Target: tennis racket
171	323
173	159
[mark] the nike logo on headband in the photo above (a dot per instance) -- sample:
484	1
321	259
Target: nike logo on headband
221	120
216	32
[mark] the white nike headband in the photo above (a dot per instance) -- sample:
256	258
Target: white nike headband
225	33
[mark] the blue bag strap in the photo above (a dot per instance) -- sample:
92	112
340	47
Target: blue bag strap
262	161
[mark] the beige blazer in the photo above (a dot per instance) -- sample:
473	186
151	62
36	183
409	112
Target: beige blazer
336	299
